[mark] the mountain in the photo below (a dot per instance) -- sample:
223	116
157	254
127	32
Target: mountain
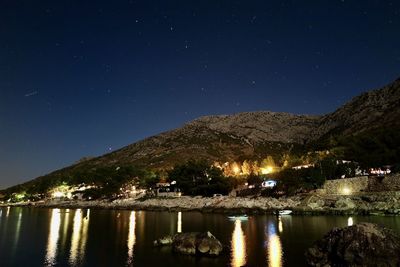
250	135
368	111
256	135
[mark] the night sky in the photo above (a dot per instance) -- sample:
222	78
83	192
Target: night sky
83	78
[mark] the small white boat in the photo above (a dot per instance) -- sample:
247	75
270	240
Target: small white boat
285	212
239	217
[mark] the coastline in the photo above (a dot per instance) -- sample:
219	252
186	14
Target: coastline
371	203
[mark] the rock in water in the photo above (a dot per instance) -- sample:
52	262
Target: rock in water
193	243
363	244
197	243
166	240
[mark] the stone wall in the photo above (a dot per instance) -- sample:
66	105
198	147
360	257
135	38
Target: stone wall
387	183
362	184
346	186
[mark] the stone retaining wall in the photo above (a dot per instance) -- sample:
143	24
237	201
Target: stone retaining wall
387	183
346	186
362	184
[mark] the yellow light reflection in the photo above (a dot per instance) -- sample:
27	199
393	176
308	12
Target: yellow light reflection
131	237
79	237
274	248
66	224
179	226
17	230
280	224
8	211
238	245
54	234
350	221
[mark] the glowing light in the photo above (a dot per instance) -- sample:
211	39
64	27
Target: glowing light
179	226
267	170
131	237
20	197
274	248
269	184
79	237
280	224
238	246
52	240
350	221
58	194
236	169
346	191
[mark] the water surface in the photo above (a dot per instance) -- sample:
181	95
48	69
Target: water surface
83	237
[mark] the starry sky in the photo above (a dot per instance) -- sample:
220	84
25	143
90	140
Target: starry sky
83	78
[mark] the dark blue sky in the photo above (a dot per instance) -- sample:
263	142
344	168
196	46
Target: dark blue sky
83	78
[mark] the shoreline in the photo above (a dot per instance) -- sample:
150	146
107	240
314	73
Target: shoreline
371	203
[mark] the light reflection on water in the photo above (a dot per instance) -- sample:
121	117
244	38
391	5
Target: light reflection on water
51	252
47	237
179	226
280	224
65	222
131	236
238	245
274	252
79	237
17	228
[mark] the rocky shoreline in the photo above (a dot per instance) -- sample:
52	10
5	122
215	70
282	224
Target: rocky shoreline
379	203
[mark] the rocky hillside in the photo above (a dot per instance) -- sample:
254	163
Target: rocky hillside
251	135
368	111
255	135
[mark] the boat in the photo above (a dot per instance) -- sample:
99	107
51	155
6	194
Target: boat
284	212
238	217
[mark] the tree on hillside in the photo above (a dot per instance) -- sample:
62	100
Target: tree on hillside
254	179
199	178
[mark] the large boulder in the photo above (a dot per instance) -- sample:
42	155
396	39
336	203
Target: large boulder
363	244
192	243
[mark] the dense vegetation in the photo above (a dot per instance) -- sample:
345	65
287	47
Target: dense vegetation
373	148
200	178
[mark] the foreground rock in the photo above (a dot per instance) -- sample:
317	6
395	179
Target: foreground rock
363	244
192	243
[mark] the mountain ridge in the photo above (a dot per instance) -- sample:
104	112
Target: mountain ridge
253	135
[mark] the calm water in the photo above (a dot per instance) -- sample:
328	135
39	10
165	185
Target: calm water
82	237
